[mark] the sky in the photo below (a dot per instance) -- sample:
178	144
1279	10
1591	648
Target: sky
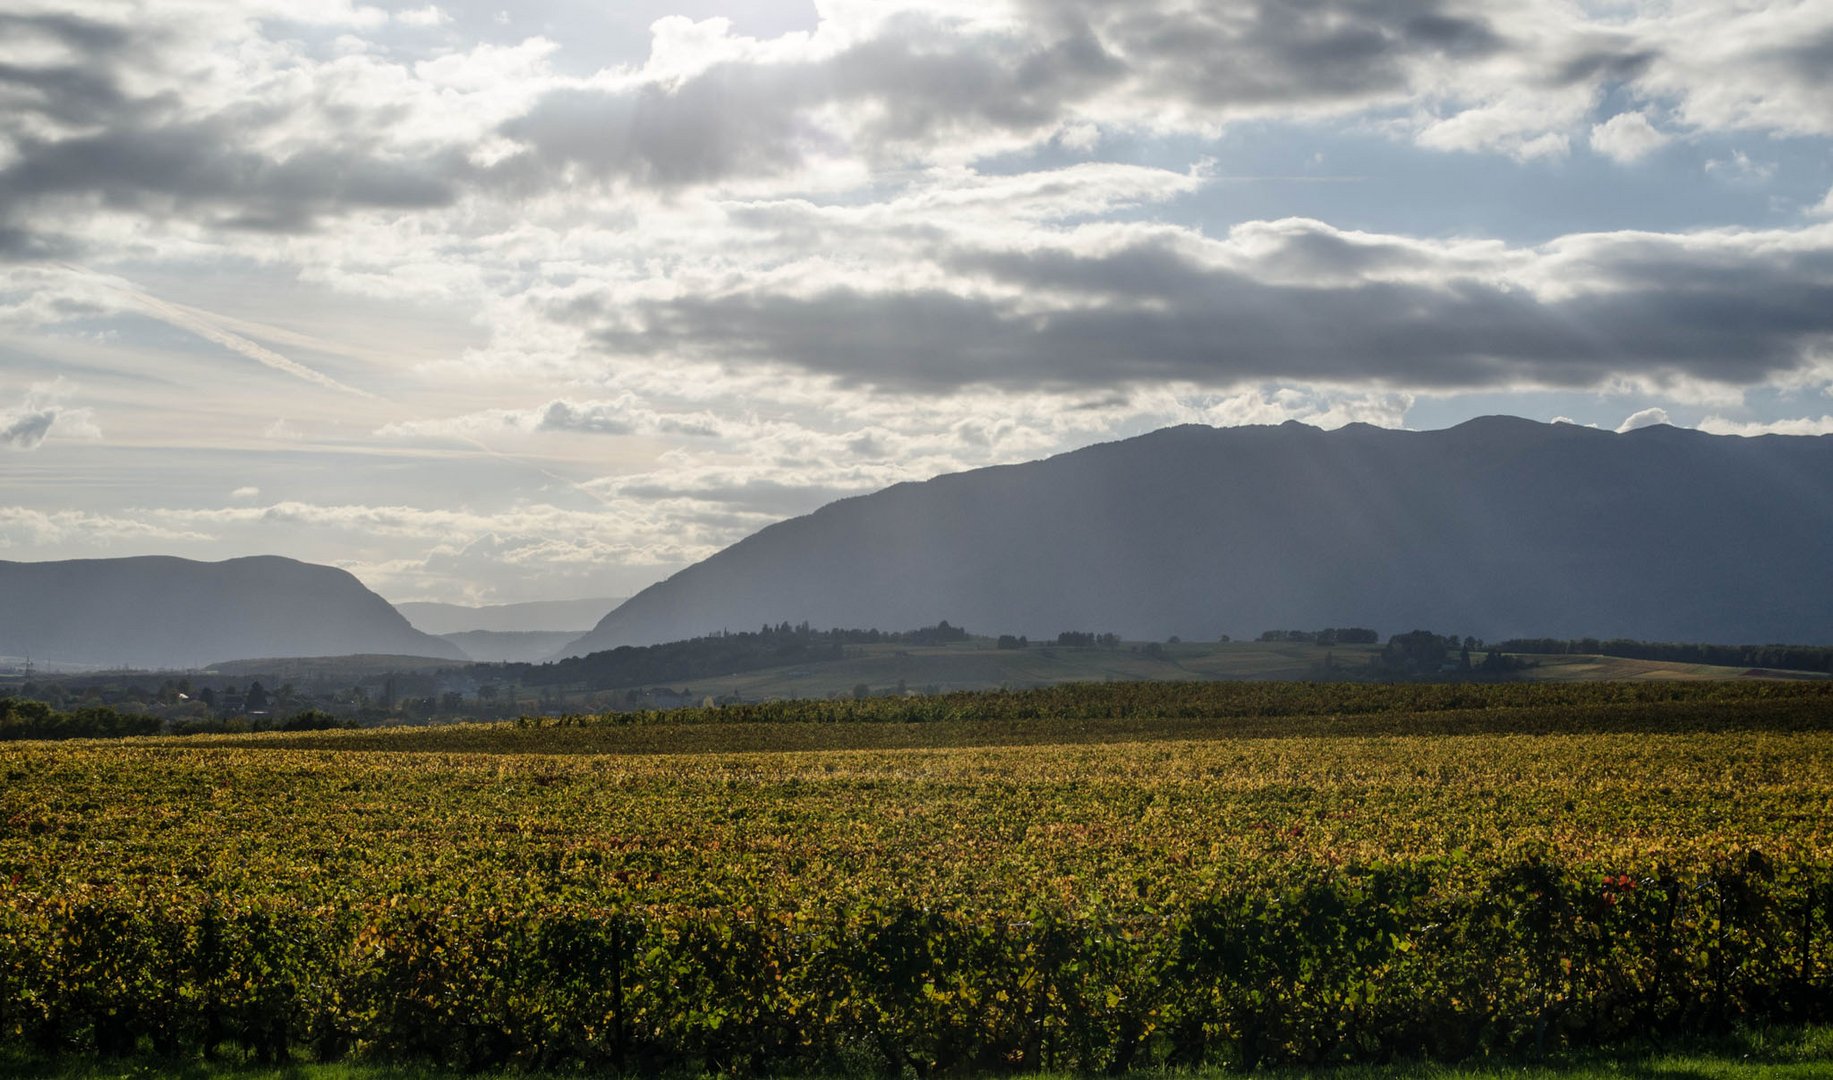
490	303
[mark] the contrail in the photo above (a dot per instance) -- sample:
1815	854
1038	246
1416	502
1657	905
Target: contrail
198	322
529	463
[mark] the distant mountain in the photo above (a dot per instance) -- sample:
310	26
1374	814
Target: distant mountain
577	616
157	612
1497	527
510	646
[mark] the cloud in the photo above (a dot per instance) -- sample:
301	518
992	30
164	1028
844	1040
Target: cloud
1310	405
427	16
1824	208
1288	300
24	430
1646	418
204	119
200	323
1626	137
247	491
594	418
110	291
1741	168
22	526
917	88
1807	425
624	416
27	425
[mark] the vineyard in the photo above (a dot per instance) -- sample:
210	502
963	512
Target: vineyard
1085	878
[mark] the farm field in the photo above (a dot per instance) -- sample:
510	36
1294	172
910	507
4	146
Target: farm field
1093	877
977	665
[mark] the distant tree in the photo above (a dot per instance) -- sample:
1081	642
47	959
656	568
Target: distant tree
1417	652
257	696
861	691
1496	661
310	720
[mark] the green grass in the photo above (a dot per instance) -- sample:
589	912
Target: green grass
1778	1053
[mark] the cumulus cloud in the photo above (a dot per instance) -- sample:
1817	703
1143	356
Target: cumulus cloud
594	418
1626	137
1648	417
202	118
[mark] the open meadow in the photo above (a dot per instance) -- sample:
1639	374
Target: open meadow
1082	878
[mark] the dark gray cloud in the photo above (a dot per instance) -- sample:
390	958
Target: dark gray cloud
24	430
21	244
920	81
201	166
1149	312
930	83
77	131
1603	63
735	120
85	89
1276	52
743	119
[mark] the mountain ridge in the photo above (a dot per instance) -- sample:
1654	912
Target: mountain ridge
1498	526
536	615
160	611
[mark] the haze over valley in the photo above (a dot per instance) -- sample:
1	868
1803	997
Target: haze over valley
1498	528
161	612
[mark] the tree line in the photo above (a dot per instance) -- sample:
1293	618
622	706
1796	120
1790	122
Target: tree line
21	718
1332	635
1782	657
715	654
